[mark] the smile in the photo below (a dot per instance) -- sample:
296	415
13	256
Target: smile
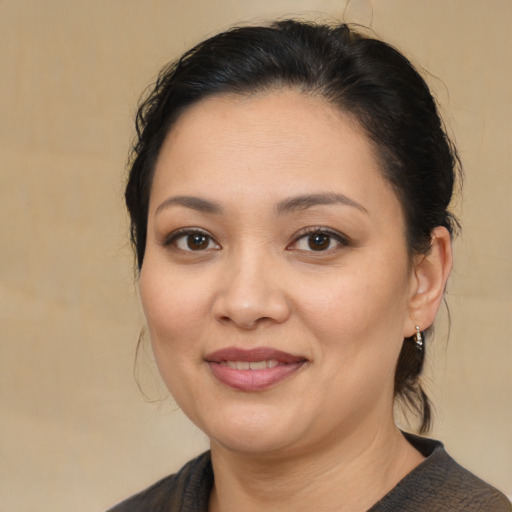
246	365
253	370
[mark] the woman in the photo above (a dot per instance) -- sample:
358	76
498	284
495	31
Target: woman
289	201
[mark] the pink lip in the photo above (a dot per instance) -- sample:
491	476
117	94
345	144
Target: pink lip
253	380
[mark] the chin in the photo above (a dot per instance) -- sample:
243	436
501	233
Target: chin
253	443
251	431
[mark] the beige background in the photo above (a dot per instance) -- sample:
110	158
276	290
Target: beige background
75	432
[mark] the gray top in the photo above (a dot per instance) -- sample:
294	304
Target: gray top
438	484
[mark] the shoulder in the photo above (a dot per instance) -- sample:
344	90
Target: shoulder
441	484
189	489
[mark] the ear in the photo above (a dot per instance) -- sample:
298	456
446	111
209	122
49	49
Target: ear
428	281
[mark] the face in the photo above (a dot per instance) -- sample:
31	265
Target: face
275	281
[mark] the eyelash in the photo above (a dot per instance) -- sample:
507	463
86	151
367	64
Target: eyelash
173	238
341	240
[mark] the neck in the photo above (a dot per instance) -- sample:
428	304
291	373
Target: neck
348	475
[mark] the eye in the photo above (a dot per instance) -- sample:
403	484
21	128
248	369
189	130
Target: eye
192	240
319	240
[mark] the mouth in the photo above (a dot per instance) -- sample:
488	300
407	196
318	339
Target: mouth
250	365
253	370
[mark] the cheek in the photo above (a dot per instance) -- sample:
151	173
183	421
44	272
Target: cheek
174	310
357	330
357	309
175	315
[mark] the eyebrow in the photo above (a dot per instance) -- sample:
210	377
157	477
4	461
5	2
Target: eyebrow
192	202
297	203
306	201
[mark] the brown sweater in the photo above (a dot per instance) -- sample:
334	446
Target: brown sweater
438	484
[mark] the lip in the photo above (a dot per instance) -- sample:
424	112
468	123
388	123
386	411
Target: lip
253	379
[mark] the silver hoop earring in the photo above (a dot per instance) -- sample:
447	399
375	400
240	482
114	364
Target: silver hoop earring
418	338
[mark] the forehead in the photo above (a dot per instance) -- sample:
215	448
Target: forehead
281	142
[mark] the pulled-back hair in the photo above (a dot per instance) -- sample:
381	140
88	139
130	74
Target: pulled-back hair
363	77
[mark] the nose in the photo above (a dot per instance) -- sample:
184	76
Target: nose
251	294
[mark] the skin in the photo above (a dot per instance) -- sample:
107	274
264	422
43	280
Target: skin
324	438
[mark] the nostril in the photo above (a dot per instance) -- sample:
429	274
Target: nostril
249	300
243	322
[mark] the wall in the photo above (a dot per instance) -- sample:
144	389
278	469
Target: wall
75	431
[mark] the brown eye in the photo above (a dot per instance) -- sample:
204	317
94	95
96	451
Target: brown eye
197	242
193	241
319	241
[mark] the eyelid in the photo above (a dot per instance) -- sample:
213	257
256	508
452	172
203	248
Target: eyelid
343	240
171	238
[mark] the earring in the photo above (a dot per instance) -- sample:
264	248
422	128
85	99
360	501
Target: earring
418	339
